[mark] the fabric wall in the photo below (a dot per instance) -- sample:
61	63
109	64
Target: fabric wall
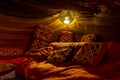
18	32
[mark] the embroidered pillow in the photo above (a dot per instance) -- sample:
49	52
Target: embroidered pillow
41	53
59	55
90	54
43	33
37	44
10	52
42	36
66	36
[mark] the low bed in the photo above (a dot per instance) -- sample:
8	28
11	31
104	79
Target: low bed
104	66
65	59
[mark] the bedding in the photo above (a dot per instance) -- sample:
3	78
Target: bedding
47	71
104	67
41	53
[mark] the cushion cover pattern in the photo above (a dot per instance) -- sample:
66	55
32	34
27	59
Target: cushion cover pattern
42	36
59	55
41	53
10	52
90	54
37	44
66	36
43	33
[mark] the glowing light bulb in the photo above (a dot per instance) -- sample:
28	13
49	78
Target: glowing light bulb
66	21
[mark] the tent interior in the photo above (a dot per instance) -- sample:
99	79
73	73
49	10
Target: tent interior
20	18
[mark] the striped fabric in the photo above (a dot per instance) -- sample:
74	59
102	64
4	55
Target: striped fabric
59	55
39	54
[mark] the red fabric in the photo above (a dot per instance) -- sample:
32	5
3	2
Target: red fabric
21	67
15	60
113	52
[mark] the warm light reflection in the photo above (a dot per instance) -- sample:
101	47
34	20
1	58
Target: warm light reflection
66	21
66	16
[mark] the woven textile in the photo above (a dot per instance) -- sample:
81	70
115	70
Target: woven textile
59	55
66	36
10	52
37	44
90	54
43	33
41	53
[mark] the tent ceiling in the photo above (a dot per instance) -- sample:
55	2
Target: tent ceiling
19	18
42	8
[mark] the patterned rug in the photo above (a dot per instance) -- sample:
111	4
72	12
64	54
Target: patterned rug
7	71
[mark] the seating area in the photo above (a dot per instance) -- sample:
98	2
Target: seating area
65	54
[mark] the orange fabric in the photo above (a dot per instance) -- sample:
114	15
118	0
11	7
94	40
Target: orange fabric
47	71
114	52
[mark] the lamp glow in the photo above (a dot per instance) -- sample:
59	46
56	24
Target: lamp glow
66	16
66	21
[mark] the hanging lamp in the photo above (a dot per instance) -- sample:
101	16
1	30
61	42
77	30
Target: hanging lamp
67	16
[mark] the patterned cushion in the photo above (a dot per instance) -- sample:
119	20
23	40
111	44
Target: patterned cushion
41	53
88	38
43	33
59	55
37	44
90	54
10	52
66	36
